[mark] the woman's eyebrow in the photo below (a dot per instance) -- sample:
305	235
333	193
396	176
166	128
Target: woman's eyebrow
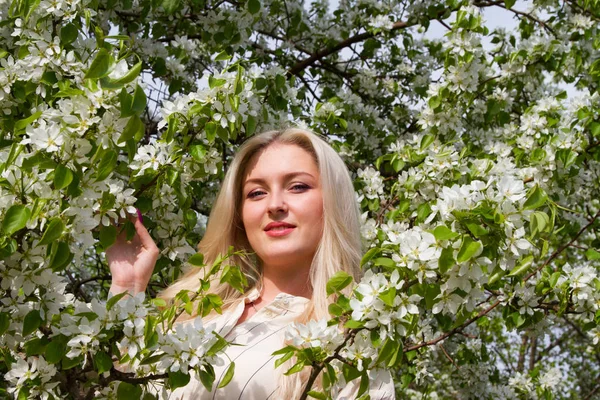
286	177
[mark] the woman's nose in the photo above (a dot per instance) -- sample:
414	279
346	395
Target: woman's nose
277	203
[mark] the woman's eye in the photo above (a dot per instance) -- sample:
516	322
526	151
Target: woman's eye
300	187
255	193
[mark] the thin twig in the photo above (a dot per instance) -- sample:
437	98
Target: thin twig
316	369
453	331
562	248
594	390
448	356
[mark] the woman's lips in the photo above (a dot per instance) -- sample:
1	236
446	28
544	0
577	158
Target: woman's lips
281	231
277	229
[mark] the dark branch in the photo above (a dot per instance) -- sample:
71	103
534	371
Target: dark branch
562	248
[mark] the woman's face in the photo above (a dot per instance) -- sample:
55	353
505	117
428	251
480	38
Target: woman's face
282	206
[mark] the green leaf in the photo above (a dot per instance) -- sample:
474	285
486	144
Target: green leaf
352	324
388	296
253	6
53	231
139	100
299	366
68	33
68	363
566	156
509	3
554	279
385	262
170	6
134	128
522	266
56	349
129	228
219	345
107	165
592	254
131	74
178	379
102	361
538	222
4	322
442	232
536	198
364	385
197	259
101	65
207	379
31	322
125	100
338	282
228	375
251	124
446	260
114	299
36	346
317	395
284	350
158	302
386	352
335	310
223	56
423	211
22	8
477	230
434	102
595	128
426	140
23	123
215	82
63	177
198	152
499	273
127	391
108	235
234	276
8	248
468	248
15	219
211	131
350	372
369	255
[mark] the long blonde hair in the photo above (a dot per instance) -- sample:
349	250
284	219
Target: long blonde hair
338	250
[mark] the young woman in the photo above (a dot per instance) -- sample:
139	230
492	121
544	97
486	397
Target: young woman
288	201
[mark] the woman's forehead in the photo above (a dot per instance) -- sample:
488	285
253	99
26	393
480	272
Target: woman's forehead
281	160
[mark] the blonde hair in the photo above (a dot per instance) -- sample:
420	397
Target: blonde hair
339	248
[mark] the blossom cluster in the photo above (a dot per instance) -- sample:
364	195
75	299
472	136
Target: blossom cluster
475	158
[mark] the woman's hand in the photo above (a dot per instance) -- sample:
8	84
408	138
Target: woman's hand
132	262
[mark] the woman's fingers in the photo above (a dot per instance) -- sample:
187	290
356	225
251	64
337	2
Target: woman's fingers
142	232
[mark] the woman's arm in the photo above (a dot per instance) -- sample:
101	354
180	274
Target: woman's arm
132	262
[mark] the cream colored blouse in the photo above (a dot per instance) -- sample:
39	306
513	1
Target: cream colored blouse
255	340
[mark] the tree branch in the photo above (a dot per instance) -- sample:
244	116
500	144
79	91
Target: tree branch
316	369
594	390
500	3
552	345
562	248
302	65
448	356
453	331
522	351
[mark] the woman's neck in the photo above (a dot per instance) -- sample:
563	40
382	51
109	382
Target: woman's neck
293	281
